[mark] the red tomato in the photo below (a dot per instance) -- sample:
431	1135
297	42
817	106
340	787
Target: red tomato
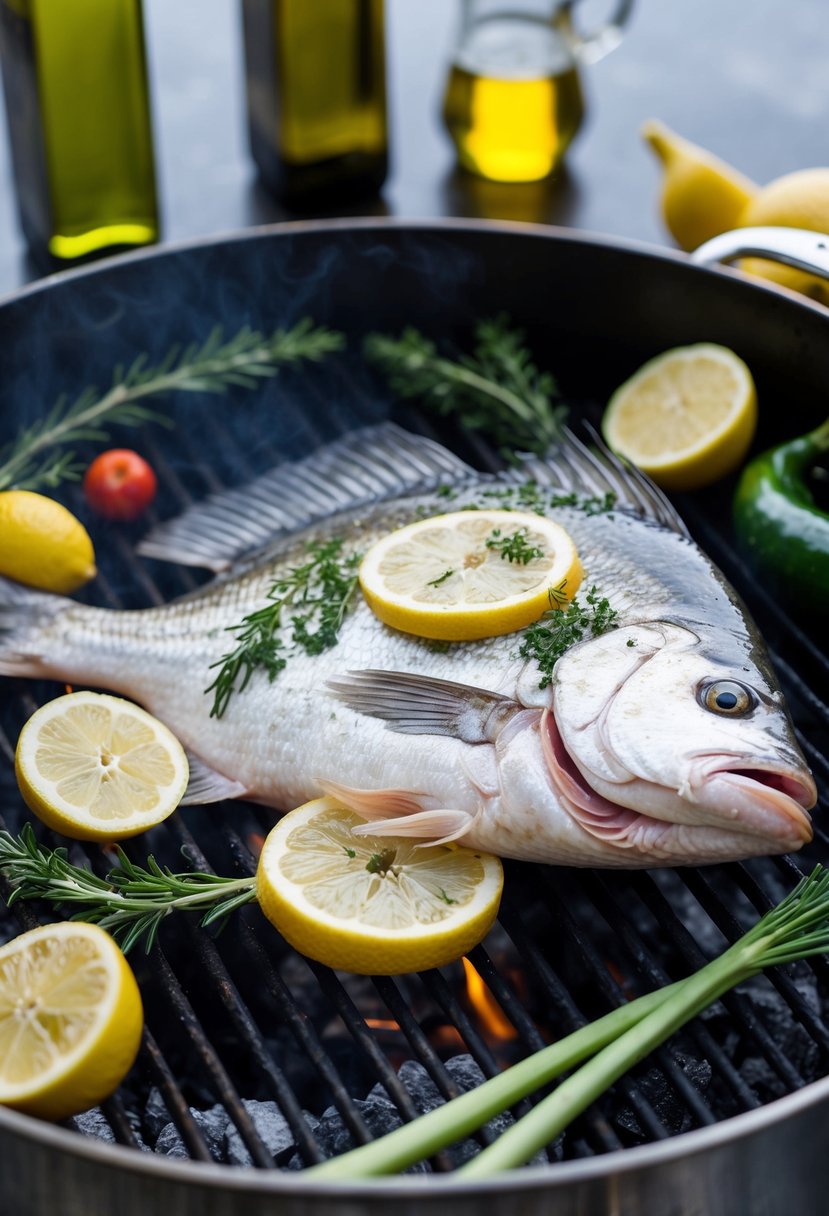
119	484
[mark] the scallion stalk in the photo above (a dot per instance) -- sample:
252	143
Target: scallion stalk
796	929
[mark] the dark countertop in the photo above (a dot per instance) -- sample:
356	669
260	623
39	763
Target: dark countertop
748	81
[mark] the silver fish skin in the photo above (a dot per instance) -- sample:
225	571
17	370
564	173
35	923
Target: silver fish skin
664	741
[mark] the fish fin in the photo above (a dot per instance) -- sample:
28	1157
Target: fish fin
366	466
572	466
24	612
206	785
374	804
434	827
422	705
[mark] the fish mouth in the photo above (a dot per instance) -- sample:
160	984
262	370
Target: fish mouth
762	796
753	798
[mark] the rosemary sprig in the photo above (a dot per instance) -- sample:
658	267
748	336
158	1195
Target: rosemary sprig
497	389
547	639
322	588
514	547
30	462
131	902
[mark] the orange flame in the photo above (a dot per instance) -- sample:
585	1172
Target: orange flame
68	688
382	1024
488	1010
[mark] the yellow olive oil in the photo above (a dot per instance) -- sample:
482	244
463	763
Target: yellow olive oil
75	82
316	95
513	100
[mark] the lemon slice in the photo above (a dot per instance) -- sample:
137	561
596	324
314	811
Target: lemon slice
373	905
98	768
686	418
70	1019
43	544
470	574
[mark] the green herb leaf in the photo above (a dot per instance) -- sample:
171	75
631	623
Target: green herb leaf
546	640
497	389
323	587
514	547
245	359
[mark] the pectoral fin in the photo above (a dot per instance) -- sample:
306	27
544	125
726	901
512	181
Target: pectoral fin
422	705
399	813
206	785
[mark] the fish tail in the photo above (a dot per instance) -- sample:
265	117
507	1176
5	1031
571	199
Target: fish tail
24	615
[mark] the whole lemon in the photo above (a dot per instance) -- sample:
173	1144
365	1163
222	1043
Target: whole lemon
42	544
798	200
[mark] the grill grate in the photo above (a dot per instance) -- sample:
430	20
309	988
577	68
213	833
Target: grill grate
241	1020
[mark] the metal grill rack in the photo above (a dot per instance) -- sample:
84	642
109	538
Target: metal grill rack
238	1016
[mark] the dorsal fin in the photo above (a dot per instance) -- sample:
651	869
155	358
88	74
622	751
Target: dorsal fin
576	468
366	466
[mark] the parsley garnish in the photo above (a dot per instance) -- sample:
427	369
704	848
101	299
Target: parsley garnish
513	547
559	629
322	588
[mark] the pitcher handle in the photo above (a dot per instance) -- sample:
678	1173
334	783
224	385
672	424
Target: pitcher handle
593	46
797	247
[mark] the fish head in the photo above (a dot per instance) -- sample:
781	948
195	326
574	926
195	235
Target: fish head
677	743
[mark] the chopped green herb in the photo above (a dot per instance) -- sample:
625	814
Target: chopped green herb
380	863
349	852
446	491
514	547
436	582
546	640
446	898
323	587
631	642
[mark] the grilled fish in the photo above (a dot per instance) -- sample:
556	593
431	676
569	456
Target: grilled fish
665	741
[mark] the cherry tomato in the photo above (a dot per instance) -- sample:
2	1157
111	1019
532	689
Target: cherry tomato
119	484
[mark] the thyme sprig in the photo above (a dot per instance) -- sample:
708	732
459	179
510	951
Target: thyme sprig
31	461
131	902
546	640
321	590
514	547
496	389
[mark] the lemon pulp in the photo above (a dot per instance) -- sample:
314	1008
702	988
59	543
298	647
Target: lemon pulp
448	577
374	905
686	417
98	768
70	1019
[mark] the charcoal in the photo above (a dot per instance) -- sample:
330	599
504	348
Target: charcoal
667	1105
95	1123
272	1127
156	1115
213	1124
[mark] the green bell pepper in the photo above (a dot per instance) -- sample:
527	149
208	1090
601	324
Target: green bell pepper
780	527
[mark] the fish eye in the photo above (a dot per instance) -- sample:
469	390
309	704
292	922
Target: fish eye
727	697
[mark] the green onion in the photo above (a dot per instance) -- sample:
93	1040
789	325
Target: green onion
796	929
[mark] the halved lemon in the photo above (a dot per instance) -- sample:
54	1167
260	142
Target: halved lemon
373	905
95	767
686	417
70	1019
470	574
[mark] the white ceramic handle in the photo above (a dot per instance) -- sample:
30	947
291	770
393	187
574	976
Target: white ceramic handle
796	247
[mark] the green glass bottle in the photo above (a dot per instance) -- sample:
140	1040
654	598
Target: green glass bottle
77	105
316	94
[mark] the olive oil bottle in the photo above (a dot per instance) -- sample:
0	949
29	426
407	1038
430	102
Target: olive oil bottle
77	105
316	96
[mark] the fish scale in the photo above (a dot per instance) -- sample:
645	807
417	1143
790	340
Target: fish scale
619	761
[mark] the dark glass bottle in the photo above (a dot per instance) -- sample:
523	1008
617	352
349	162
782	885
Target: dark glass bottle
316	96
75	83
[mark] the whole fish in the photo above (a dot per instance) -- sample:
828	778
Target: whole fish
664	741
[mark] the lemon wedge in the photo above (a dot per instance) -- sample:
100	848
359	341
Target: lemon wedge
373	905
43	544
686	417
95	767
470	574
70	1019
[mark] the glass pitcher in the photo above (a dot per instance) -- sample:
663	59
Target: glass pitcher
514	100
